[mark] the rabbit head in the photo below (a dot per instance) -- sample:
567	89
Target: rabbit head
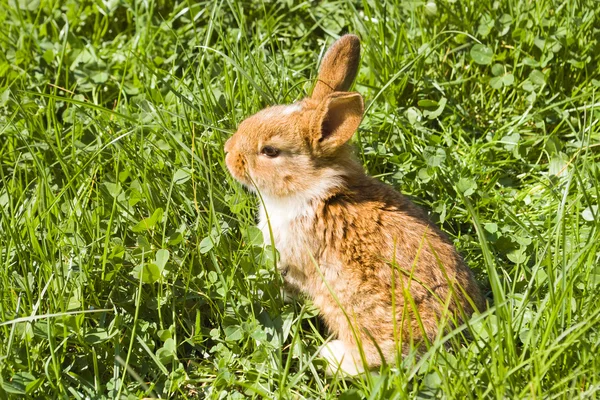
285	150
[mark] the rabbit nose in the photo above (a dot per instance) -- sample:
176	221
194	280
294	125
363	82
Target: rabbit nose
227	147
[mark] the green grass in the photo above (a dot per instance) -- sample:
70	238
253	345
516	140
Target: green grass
129	265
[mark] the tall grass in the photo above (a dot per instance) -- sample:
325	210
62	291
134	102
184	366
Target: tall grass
130	265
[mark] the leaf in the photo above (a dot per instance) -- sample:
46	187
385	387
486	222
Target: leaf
508	79
432	380
181	176
413	115
503	80
424	175
99	77
113	189
498	69
168	352
510	141
259	335
528	86
48	56
485	26
134	197
149	223
431	8
496	82
540	43
98	335
505	21
434	156
164	334
524	335
233	333
427	103
523	240
254	236
482	54
541	277
4	96
537	77
588	213
74	301
29	5
149	273
437	112
351	394
466	186
143	243
21	383
206	245
491	227
517	256
175	238
236	203
558	165
170	345
161	258
287	319
594	277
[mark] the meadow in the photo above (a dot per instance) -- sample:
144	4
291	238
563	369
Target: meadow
130	265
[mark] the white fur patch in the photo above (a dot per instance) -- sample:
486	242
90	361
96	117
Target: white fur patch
292	108
281	213
277	111
340	358
284	212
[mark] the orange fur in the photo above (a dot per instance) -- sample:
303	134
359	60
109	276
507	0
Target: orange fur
372	262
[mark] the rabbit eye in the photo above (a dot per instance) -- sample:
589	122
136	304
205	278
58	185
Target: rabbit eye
270	151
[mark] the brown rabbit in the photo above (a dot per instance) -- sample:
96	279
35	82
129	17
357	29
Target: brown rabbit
383	276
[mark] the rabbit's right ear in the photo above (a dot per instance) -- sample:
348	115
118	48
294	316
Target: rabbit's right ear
335	121
339	67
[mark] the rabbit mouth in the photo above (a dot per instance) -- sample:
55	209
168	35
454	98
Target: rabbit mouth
237	169
236	165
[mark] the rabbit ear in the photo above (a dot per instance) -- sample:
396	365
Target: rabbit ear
339	67
336	120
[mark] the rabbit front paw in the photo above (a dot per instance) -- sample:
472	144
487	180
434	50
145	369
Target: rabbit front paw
341	358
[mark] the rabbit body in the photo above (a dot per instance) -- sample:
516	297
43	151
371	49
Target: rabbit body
378	270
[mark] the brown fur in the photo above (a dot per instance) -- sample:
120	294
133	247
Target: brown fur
378	270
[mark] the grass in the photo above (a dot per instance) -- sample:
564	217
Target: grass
129	262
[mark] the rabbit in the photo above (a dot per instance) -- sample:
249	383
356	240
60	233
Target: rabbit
382	275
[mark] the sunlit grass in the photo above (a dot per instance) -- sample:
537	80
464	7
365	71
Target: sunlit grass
130	265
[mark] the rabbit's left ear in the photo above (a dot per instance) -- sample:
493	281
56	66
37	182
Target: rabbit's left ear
335	121
339	67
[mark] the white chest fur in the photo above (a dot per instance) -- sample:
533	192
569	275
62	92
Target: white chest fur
291	218
287	217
